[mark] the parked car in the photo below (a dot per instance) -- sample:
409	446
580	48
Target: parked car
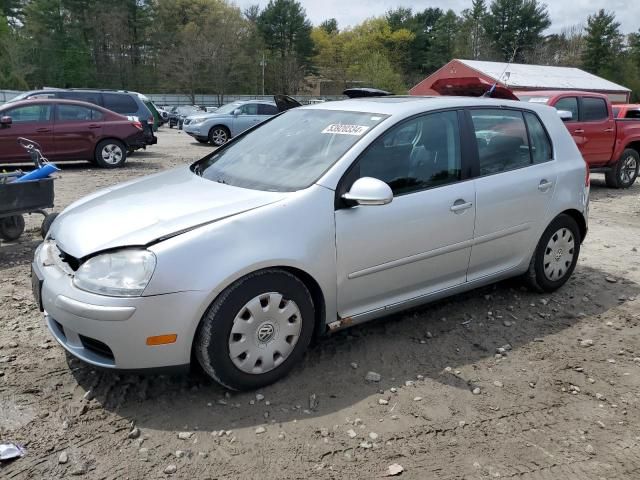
68	130
609	145
122	102
178	114
627	111
234	118
323	217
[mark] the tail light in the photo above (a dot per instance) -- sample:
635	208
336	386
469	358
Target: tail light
587	177
151	120
137	124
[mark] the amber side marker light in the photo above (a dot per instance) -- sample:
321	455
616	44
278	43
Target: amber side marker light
162	339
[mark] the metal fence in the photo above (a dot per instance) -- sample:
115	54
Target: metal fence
203	100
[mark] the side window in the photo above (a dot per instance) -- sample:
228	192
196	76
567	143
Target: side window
249	109
90	97
570	104
502	140
96	115
120	103
73	113
421	153
541	150
266	109
594	109
632	114
30	114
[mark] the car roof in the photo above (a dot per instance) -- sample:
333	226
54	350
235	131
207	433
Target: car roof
409	105
57	101
554	93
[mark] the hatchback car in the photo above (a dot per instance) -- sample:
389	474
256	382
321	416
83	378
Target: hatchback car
68	130
323	217
122	102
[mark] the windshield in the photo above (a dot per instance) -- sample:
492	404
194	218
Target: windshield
229	107
289	152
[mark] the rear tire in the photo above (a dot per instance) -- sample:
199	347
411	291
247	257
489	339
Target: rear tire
11	227
556	255
256	331
110	153
625	171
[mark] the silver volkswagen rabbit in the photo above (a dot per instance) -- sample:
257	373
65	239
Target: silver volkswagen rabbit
320	218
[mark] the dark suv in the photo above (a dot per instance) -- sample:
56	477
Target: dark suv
122	102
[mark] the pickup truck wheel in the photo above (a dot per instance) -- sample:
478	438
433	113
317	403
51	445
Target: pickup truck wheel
110	153
625	172
256	331
556	255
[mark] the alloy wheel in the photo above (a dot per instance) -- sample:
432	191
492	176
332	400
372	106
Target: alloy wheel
219	137
112	154
628	170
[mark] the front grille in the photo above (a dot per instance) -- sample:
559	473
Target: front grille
96	346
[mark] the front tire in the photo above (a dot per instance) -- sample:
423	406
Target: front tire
219	135
625	172
256	331
110	153
556	255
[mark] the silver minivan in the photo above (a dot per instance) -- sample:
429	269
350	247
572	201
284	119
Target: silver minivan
322	217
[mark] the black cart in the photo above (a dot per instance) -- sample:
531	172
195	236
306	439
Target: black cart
19	198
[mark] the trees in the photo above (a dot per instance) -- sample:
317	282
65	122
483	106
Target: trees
286	31
603	43
472	34
514	27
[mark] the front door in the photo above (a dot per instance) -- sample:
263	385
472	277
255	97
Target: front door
247	118
598	127
517	178
420	242
33	121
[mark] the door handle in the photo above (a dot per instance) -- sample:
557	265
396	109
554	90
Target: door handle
608	130
43	130
460	206
94	125
544	185
579	130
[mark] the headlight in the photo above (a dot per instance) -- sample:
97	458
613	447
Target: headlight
195	121
119	274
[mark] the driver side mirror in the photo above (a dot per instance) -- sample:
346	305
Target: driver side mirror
6	121
369	191
237	112
565	115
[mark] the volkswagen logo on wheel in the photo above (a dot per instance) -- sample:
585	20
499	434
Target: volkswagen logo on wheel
265	332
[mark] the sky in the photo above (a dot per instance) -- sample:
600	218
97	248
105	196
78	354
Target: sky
564	13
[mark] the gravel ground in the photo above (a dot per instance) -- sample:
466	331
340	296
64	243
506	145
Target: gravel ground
498	382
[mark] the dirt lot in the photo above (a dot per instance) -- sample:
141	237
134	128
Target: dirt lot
561	403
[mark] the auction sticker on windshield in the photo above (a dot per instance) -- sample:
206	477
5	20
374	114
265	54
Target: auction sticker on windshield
339	129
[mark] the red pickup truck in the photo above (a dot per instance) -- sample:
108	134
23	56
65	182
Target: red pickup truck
609	145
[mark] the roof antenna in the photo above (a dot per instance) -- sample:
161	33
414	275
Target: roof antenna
489	92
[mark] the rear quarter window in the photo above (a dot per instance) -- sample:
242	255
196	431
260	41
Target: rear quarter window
120	103
540	144
594	109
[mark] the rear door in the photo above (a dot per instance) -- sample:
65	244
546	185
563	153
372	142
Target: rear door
598	128
77	130
515	184
33	121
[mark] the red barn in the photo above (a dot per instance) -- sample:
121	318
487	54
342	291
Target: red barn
517	77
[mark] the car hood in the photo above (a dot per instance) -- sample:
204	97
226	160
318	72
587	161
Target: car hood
148	209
